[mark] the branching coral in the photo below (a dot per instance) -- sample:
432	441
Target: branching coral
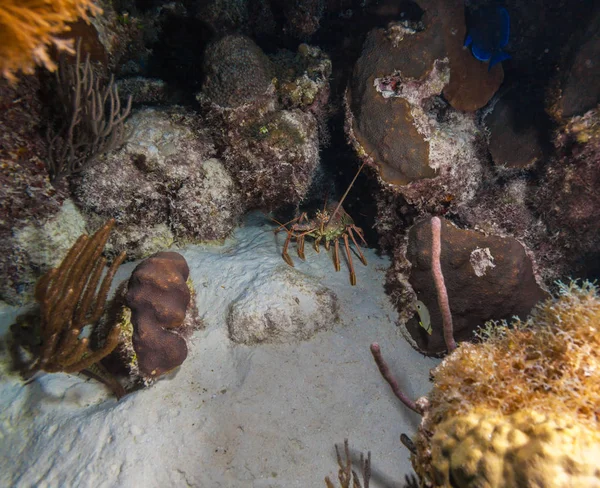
93	120
69	300
346	475
29	27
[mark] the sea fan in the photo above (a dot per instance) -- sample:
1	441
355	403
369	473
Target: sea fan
29	27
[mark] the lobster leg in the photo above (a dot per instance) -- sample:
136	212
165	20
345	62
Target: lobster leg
300	245
284	254
350	264
336	255
317	240
359	231
284	226
362	256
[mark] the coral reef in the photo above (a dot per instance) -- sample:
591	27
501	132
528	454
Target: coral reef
567	197
236	71
38	246
206	207
397	122
267	131
481	192
537	379
487	277
517	127
504	209
374	119
157	300
146	91
539	33
575	89
303	79
226	16
492	449
162	186
91	121
27	199
471	84
271	154
528	390
302	18
29	27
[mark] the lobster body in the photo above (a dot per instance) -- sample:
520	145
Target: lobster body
329	225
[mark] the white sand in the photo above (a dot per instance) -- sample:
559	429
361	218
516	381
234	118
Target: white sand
233	415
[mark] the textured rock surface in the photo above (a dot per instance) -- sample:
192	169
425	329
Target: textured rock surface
568	197
378	121
303	78
281	308
471	84
161	185
206	206
516	126
26	196
272	154
158	297
397	121
487	278
426	57
577	84
147	91
236	71
37	247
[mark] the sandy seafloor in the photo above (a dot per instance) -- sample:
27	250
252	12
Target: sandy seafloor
234	415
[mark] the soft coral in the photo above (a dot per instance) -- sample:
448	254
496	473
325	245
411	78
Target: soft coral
29	27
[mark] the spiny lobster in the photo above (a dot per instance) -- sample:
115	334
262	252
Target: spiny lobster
329	224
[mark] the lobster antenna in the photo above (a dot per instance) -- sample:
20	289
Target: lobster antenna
347	191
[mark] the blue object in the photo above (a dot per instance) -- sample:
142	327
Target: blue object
488	30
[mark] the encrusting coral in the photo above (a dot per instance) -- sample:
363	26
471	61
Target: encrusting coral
29	27
70	300
529	391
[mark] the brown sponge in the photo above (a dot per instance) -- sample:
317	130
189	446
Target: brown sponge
158	297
